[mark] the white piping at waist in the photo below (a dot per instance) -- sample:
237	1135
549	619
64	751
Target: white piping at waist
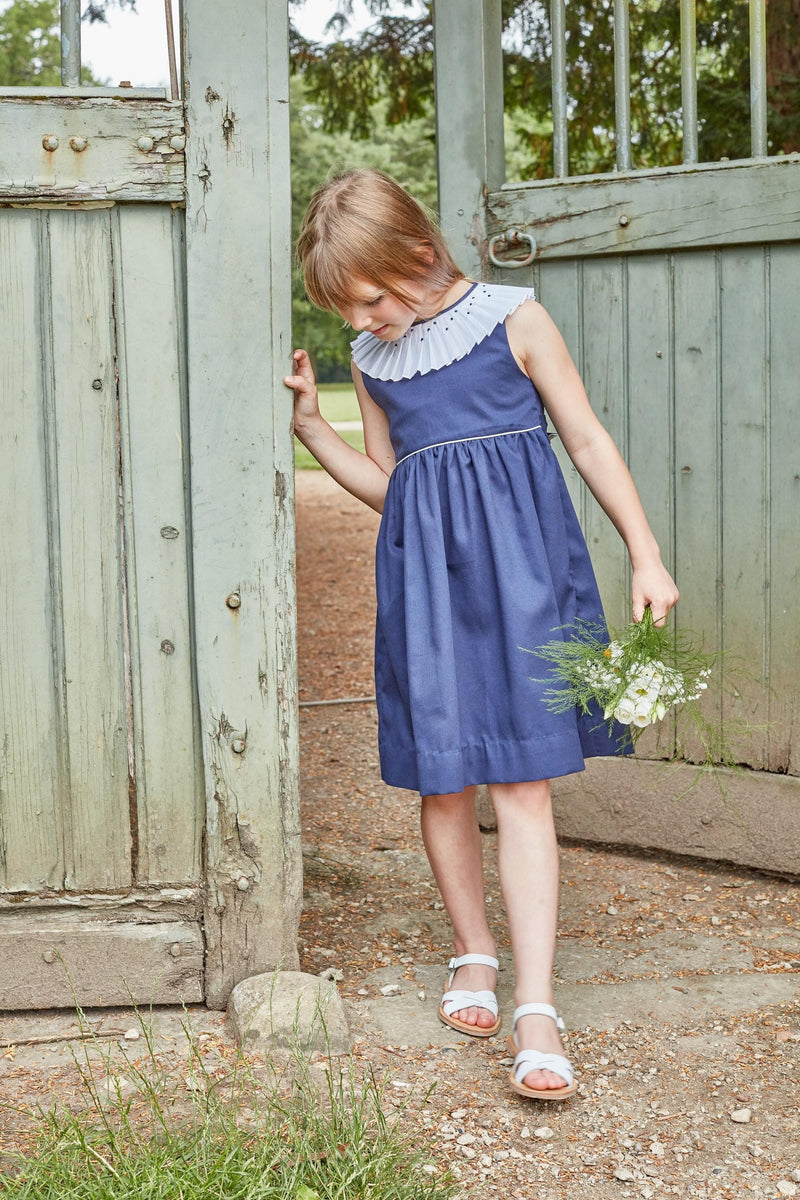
481	437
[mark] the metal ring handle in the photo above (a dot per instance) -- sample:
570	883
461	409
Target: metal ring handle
512	238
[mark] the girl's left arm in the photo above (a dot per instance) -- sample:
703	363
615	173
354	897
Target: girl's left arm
541	352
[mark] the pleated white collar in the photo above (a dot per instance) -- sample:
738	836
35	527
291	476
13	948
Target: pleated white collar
442	339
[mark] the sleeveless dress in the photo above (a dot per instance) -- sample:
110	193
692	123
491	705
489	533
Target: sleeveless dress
479	560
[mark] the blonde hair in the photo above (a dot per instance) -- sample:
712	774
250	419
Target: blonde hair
362	225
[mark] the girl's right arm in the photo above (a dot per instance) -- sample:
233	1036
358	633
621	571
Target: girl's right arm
365	476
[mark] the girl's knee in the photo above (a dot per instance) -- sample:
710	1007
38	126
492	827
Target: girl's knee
532	798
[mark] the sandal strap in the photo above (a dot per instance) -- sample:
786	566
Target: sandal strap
455	1001
482	960
534	1060
538	1010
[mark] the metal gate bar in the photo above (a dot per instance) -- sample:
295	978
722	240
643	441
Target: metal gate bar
558	38
71	43
758	78
622	83
689	81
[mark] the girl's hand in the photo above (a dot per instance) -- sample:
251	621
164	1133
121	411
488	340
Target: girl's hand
653	585
304	386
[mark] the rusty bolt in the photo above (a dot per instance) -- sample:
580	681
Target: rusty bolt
175	949
49	956
167	647
169	532
234	600
50	141
237	745
97	384
177	141
624	220
78	144
243	883
145	144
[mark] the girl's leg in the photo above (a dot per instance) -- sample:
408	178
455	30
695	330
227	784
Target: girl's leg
528	863
453	845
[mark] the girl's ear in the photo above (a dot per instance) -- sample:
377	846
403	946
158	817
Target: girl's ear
425	253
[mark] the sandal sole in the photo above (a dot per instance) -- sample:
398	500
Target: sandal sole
470	1030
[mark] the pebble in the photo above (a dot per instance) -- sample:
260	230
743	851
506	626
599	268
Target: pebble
612	911
741	1116
466	1139
786	1187
132	1035
363	992
458	1114
421	995
625	1174
390	989
544	1132
795	1175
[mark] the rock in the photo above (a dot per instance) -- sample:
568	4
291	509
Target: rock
131	1035
741	1116
543	1131
390	989
466	1139
289	1009
625	1174
786	1187
332	974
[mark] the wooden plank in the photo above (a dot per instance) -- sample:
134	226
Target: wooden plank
745	500
239	349
87	494
30	776
55	959
469	122
648	365
603	355
676	207
698	452
784	508
113	163
148	246
559	292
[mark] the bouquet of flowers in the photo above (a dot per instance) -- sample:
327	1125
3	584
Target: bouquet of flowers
635	679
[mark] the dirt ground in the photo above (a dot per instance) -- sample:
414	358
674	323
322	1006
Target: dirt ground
677	979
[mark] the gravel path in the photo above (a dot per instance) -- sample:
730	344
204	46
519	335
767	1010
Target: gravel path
678	980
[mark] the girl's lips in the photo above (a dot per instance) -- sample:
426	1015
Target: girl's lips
378	332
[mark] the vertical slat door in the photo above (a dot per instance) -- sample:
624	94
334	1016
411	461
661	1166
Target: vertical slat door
100	788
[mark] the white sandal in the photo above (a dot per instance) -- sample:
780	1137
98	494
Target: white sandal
534	1060
454	1001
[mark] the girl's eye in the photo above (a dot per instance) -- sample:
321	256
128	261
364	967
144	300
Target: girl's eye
372	303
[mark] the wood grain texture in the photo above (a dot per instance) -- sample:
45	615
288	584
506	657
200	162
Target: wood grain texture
149	299
111	166
53	959
88	504
31	850
239	348
673	208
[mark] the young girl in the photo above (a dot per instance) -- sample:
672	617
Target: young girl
479	557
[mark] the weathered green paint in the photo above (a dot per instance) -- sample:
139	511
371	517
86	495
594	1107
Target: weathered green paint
239	349
469	121
111	165
108	775
668	209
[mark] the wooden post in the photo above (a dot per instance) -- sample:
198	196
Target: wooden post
239	348
469	122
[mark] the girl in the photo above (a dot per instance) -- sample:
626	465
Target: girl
479	557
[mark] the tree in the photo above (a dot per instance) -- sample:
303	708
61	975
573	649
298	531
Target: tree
394	59
30	45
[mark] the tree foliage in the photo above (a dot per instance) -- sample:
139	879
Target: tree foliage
394	59
30	45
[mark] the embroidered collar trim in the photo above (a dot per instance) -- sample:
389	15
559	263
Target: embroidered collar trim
442	339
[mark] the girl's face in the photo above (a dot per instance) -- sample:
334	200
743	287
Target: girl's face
376	310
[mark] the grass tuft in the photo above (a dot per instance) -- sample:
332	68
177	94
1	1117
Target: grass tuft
148	1130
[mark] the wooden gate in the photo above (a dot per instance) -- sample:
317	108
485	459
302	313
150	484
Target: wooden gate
148	825
676	290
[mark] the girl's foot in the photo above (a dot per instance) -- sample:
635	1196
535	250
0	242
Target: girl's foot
538	1034
472	978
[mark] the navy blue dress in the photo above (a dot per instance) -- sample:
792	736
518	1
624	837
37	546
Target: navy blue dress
480	558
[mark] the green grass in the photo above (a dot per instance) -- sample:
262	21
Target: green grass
337	402
150	1131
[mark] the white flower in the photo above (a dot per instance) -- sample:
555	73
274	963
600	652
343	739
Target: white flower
624	711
